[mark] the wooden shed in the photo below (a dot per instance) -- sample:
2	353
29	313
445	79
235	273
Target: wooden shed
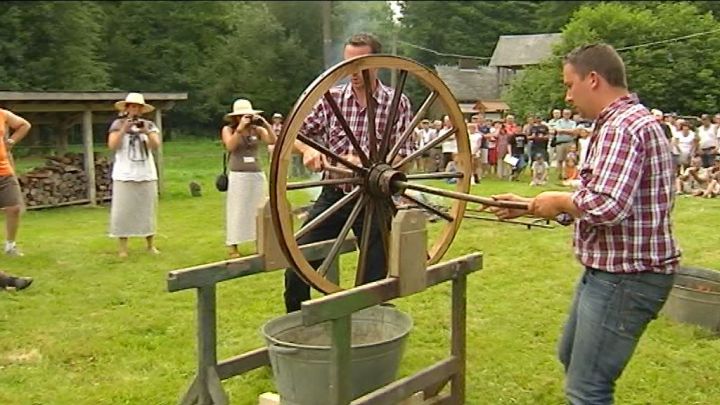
513	53
64	110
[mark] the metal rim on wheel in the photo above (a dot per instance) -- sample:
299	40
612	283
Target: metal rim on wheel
375	179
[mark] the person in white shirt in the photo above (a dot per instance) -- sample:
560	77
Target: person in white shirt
475	137
449	146
707	139
539	170
694	180
134	193
424	135
683	145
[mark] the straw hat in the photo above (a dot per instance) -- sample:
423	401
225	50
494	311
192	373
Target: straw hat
134	98
242	107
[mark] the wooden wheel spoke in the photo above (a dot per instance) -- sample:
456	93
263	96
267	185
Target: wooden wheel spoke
327	213
392	114
430	208
426	148
384	222
462	196
364	246
435	176
325	182
370	110
411	128
348	132
380	144
335	249
327	152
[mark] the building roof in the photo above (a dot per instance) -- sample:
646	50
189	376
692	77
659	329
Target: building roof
469	85
523	50
492	106
62	101
83	96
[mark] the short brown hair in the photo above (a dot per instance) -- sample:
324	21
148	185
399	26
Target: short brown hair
365	39
600	58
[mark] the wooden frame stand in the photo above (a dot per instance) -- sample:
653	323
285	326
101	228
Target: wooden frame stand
407	277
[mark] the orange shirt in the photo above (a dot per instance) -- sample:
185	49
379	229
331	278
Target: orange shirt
6	168
571	173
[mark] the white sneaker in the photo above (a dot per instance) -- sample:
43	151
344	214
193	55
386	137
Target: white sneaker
14	251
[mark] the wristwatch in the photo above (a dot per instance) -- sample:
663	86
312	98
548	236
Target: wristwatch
10	141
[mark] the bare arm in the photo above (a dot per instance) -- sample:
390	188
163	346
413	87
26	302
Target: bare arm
19	125
266	133
116	134
153	140
230	138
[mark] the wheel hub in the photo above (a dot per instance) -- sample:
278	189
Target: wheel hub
381	180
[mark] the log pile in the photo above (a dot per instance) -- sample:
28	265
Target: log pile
62	181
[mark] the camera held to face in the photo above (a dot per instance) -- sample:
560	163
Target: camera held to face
132	119
255	120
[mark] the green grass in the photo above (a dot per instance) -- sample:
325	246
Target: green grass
94	329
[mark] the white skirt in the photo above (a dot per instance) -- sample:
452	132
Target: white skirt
133	209
246	193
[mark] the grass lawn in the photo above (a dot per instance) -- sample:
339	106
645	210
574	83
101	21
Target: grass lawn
95	329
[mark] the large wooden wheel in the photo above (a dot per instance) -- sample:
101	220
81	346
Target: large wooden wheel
378	178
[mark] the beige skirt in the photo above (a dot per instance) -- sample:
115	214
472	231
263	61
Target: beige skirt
133	209
246	193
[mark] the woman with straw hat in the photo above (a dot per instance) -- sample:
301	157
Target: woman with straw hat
134	196
246	179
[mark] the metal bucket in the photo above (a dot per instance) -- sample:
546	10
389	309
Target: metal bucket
695	298
300	356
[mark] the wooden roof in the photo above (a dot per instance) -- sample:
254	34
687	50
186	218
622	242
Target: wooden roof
469	85
523	50
60	101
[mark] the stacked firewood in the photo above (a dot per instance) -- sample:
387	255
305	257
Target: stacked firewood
62	180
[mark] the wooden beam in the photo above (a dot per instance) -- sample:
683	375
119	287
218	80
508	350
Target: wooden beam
408	386
243	363
83	96
36	106
89	156
346	302
58	107
206	339
212	273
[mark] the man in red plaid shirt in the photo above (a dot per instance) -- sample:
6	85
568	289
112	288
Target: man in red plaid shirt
623	233
323	126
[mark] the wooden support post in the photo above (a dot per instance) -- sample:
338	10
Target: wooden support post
340	355
159	152
209	389
408	234
459	309
267	243
333	273
89	156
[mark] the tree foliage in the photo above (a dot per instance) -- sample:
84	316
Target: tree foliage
270	51
462	27
677	76
52	46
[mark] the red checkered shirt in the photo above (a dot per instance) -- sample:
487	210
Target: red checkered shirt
627	194
322	124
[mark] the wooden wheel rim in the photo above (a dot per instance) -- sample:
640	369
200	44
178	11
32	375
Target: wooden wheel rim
280	207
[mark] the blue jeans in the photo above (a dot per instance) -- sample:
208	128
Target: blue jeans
607	318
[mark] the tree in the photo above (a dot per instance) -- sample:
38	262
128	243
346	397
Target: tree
269	75
161	46
462	27
676	76
52	46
